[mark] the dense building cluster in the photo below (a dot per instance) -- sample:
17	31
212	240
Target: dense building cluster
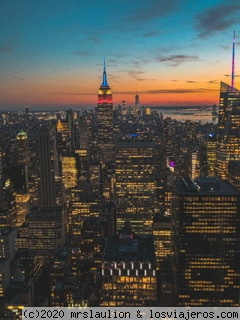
119	207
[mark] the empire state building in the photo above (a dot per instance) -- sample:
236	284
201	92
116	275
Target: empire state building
105	121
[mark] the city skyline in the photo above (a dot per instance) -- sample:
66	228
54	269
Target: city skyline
173	53
119	209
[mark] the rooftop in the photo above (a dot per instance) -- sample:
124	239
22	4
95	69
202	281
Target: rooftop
4	231
135	144
205	186
129	248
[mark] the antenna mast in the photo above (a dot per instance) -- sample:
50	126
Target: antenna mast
233	61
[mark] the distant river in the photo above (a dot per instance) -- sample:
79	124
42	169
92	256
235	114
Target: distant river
203	114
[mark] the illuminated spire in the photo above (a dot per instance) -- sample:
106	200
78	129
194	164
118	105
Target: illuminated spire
104	83
233	61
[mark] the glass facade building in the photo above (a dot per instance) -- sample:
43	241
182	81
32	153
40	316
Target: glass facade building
228	134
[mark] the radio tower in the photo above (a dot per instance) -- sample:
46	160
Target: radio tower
233	61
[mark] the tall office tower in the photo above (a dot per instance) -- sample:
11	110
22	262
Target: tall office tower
7	200
83	133
7	254
61	283
94	175
167	201
105	121
194	166
1	179
137	101
43	232
93	235
82	158
26	110
5	275
22	207
233	175
228	134
23	158
211	145
62	128
7	242
162	237
169	134
69	171
135	189
214	112
129	271
83	153
206	226
22	148
84	203
72	119
48	161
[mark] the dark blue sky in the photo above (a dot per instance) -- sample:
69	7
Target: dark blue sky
170	52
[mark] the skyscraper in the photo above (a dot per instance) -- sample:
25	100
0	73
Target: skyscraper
69	171
22	148
1	179
162	237
233	175
228	135
23	159
211	153
43	232
48	166
206	226
129	276
135	185
105	121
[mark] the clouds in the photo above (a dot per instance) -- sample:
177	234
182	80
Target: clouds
62	93
183	91
148	10
217	18
213	81
135	75
177	59
178	91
